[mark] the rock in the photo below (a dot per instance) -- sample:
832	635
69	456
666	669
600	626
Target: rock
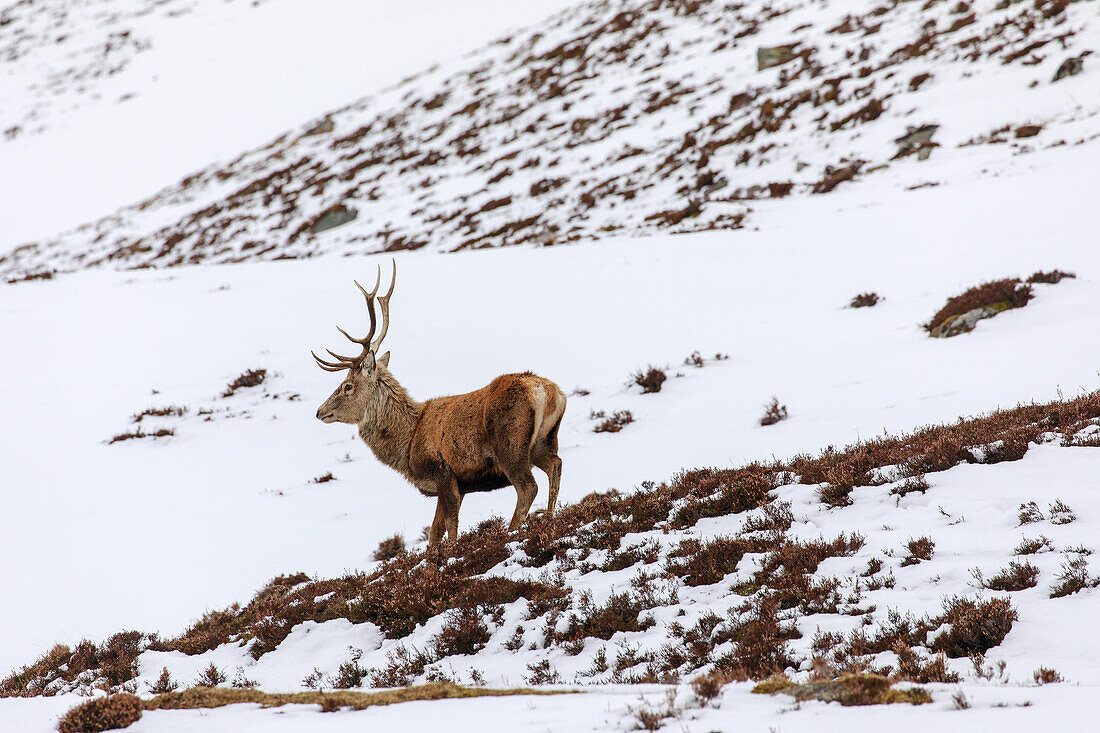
333	217
965	322
916	140
1070	67
325	125
770	56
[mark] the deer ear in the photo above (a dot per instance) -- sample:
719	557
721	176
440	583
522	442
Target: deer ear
368	363
385	360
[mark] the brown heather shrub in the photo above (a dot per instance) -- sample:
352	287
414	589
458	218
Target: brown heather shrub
464	632
1010	291
138	434
1073	578
615	423
103	713
864	300
707	563
774	517
542	673
644	553
1017	576
773	413
1050	278
211	677
912	669
760	639
976	626
390	548
1045	676
1041	543
164	683
709	686
114	663
620	613
169	411
1030	513
414	588
716	493
649	379
918	550
250	378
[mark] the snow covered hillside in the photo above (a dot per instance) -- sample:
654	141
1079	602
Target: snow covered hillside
102	102
625	118
172	499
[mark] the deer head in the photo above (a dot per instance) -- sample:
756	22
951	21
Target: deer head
349	402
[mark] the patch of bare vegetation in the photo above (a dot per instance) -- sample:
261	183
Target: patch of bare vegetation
612	423
104	713
853	689
864	300
167	411
998	295
751	640
390	548
139	434
649	379
246	380
917	551
773	412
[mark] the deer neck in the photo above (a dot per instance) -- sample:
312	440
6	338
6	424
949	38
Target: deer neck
389	421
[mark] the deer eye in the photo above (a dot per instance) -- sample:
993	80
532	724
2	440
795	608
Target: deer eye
347	387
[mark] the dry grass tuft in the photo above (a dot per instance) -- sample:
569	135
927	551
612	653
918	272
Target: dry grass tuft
852	689
216	697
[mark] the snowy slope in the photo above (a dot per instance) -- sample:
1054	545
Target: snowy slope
103	102
206	516
626	118
151	533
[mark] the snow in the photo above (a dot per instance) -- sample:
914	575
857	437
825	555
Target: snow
149	534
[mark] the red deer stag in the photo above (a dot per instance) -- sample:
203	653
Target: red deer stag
449	446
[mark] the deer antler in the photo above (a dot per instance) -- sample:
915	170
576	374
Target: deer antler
384	305
353	362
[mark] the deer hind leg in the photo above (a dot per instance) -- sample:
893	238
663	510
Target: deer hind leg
512	436
549	463
551	466
526	489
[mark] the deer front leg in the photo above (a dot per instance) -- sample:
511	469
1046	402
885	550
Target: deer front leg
452	518
449	502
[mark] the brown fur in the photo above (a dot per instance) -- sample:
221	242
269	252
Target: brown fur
451	446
